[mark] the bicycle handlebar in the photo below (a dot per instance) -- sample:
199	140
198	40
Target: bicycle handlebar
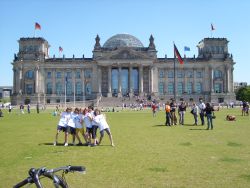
35	173
24	182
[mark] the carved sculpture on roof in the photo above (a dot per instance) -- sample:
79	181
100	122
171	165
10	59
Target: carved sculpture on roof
151	42
97	43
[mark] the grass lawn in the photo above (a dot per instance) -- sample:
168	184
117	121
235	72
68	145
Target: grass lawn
147	153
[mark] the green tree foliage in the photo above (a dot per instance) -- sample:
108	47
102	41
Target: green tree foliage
243	94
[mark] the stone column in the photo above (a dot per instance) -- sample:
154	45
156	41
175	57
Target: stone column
99	81
151	70
83	83
141	80
194	83
120	82
212	80
37	79
228	88
54	81
131	85
109	82
14	80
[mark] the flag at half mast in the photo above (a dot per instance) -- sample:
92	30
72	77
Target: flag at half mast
60	49
178	55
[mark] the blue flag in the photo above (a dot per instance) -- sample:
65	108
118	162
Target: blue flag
186	48
66	79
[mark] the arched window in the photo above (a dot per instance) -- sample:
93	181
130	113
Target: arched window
29	74
217	74
49	88
78	88
58	88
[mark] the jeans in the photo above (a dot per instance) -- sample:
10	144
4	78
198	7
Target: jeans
209	121
202	118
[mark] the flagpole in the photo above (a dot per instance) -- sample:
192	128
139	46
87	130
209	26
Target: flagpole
65	89
174	77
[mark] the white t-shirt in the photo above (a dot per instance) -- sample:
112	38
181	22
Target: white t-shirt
202	106
62	121
78	121
93	116
87	120
70	119
100	120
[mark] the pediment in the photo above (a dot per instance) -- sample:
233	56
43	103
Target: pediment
126	54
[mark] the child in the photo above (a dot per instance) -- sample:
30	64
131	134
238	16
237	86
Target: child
61	125
100	120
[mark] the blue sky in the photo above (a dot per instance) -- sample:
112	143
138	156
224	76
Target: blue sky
74	24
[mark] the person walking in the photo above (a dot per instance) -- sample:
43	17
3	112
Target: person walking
181	111
168	115
202	106
209	113
172	112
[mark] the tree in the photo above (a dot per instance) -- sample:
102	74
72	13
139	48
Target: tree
243	94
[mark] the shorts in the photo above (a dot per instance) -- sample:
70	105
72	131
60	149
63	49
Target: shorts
71	130
89	130
107	130
61	128
94	129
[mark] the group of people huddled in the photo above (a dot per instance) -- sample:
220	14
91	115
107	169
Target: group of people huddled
203	110
83	123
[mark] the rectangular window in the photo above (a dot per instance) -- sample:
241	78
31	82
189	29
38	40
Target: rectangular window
198	87
29	89
170	74
180	88
161	88
49	74
218	88
78	74
180	74
88	73
58	75
199	74
170	88
161	73
189	87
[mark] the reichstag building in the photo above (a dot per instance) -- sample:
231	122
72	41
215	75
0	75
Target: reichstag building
121	67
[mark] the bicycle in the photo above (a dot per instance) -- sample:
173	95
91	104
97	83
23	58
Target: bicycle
58	181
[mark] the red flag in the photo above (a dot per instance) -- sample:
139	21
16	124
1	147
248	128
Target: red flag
176	52
212	27
60	49
37	26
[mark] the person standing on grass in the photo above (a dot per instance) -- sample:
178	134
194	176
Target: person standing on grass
173	113
37	108
168	115
71	127
202	106
100	120
61	126
87	118
209	110
194	111
154	109
78	124
94	126
28	108
10	108
182	110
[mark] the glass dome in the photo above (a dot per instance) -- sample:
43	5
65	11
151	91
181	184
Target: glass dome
122	40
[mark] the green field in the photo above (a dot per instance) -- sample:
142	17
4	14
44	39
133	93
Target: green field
147	153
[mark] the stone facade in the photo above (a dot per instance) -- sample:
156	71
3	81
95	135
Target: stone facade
122	67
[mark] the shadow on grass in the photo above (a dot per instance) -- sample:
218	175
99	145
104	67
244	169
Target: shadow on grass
162	125
199	129
158	169
186	144
230	160
234	144
245	176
